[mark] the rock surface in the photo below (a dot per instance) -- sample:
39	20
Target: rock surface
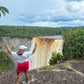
63	75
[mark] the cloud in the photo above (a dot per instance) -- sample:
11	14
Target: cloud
61	12
75	6
44	12
58	24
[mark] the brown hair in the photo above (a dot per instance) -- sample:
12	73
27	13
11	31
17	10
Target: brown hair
20	51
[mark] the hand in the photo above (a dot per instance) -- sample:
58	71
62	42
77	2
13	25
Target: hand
6	45
9	50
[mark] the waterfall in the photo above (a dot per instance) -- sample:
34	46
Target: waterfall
45	47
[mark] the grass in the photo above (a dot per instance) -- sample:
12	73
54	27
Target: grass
66	63
48	68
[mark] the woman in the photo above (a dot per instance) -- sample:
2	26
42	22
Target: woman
23	61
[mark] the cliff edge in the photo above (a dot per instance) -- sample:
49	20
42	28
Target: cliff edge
70	72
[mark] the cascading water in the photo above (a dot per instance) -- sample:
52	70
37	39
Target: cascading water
45	47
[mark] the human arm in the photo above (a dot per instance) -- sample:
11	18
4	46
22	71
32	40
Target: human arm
9	50
34	48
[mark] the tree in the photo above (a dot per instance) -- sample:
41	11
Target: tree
74	44
3	10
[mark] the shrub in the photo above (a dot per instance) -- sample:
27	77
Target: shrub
56	58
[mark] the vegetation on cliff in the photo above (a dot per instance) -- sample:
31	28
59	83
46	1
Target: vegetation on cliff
56	58
5	62
74	44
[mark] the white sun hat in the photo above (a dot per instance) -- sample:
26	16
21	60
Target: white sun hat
22	47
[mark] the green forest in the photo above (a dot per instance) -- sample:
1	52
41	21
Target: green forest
30	32
73	38
74	44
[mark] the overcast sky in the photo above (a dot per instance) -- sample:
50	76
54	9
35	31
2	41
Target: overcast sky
48	13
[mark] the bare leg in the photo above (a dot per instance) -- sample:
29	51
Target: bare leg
27	76
16	78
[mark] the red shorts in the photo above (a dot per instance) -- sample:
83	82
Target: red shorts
22	67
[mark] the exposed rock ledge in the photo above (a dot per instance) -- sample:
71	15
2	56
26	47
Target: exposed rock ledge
72	74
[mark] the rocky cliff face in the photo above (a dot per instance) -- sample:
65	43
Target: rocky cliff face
14	43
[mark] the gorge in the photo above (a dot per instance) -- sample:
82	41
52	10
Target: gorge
45	46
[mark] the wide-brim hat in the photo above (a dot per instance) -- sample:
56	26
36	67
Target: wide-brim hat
22	47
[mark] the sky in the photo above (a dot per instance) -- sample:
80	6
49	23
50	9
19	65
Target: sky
44	13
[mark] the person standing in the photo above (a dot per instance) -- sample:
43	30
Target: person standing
22	57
